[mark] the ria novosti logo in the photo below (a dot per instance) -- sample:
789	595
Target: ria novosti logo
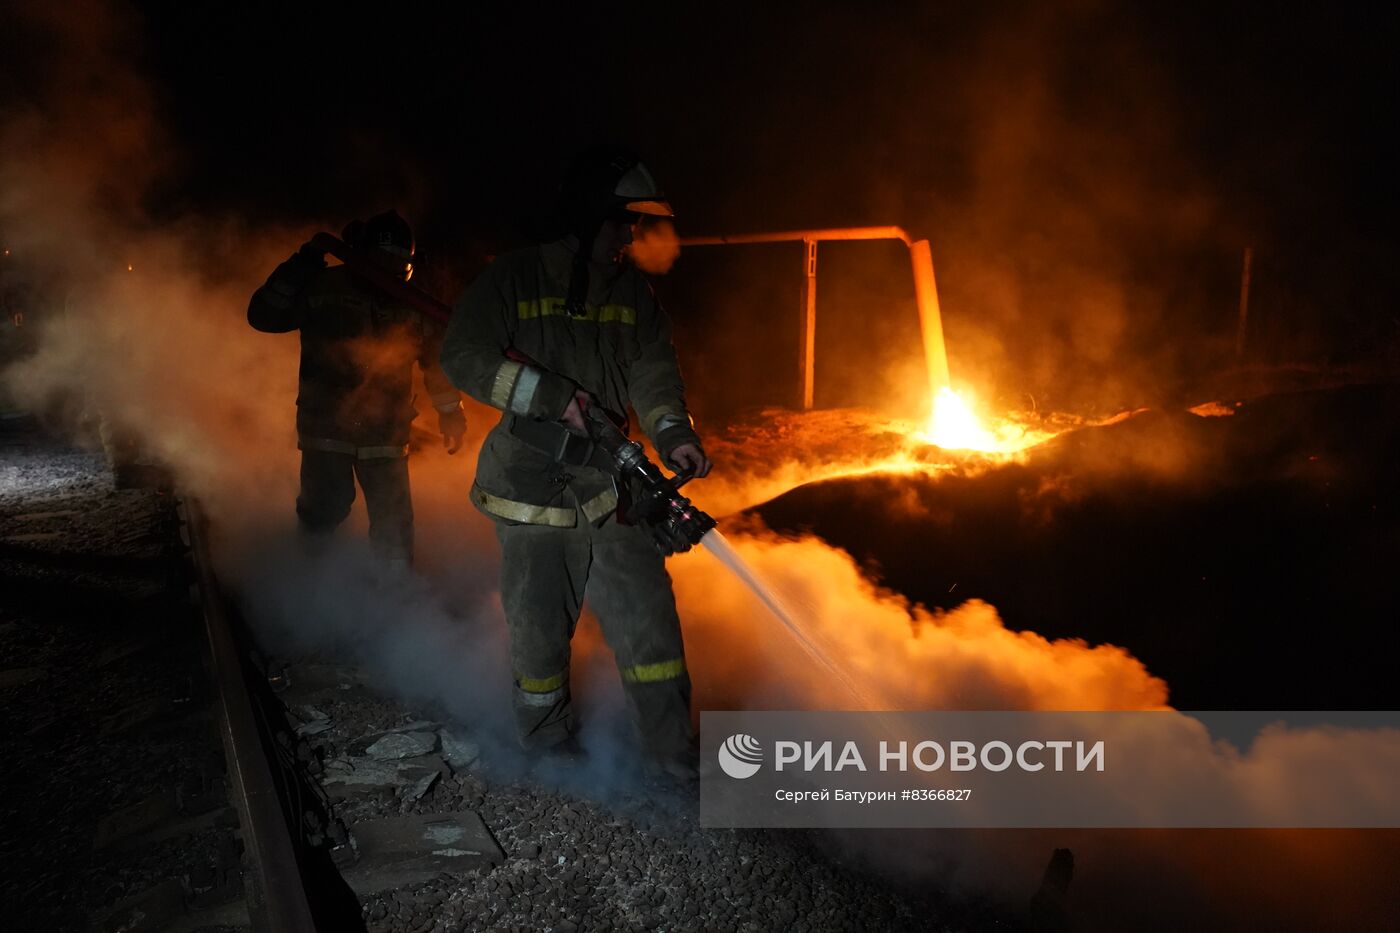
740	756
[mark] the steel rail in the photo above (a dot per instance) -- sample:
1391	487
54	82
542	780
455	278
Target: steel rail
277	899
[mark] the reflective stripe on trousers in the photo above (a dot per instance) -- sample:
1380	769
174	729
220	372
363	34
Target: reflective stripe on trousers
545	573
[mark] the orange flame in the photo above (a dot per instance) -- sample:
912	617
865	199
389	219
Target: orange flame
955	425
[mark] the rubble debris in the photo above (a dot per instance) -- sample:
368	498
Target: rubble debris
397	745
367	772
314	727
458	750
418	788
362	772
310	720
402	850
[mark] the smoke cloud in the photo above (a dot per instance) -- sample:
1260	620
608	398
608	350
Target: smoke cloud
148	334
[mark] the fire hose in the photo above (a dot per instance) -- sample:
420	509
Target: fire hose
648	498
656	504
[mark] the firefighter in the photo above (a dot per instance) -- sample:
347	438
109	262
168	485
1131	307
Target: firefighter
355	397
594	334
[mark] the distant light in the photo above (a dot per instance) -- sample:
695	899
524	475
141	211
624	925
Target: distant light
128	267
7	252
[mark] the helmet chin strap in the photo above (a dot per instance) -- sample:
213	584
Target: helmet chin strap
576	301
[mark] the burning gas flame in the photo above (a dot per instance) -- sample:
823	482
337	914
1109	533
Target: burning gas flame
955	425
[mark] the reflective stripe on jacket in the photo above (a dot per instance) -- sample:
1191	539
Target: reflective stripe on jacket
619	350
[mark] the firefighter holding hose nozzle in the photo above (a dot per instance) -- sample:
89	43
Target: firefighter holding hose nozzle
359	342
563	338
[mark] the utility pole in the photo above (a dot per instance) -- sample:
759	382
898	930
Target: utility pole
809	321
1243	327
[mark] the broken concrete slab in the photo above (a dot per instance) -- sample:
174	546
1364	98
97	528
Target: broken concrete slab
427	763
316	727
458	750
407	849
398	745
418	788
356	774
308	720
366	772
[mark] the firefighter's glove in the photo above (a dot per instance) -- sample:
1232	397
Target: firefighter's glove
296	273
689	458
573	415
312	253
453	425
666	538
680	448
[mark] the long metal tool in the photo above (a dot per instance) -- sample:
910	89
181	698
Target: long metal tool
395	288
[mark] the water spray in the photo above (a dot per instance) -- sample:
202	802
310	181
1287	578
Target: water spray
676	524
718	545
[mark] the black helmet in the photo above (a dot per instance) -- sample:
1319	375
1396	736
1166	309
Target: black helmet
602	183
387	238
605	181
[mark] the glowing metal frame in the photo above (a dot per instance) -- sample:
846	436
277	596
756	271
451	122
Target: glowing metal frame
925	291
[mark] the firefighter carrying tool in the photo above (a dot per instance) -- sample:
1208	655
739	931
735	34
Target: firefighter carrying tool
362	330
601	341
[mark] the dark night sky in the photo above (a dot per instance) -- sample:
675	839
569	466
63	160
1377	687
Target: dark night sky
292	111
471	110
1045	145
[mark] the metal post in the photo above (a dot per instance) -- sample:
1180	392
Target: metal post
809	322
1243	327
930	315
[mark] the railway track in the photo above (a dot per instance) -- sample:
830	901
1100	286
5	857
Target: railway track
331	805
291	883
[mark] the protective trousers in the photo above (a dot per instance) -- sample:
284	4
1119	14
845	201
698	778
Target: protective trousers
545	572
328	491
